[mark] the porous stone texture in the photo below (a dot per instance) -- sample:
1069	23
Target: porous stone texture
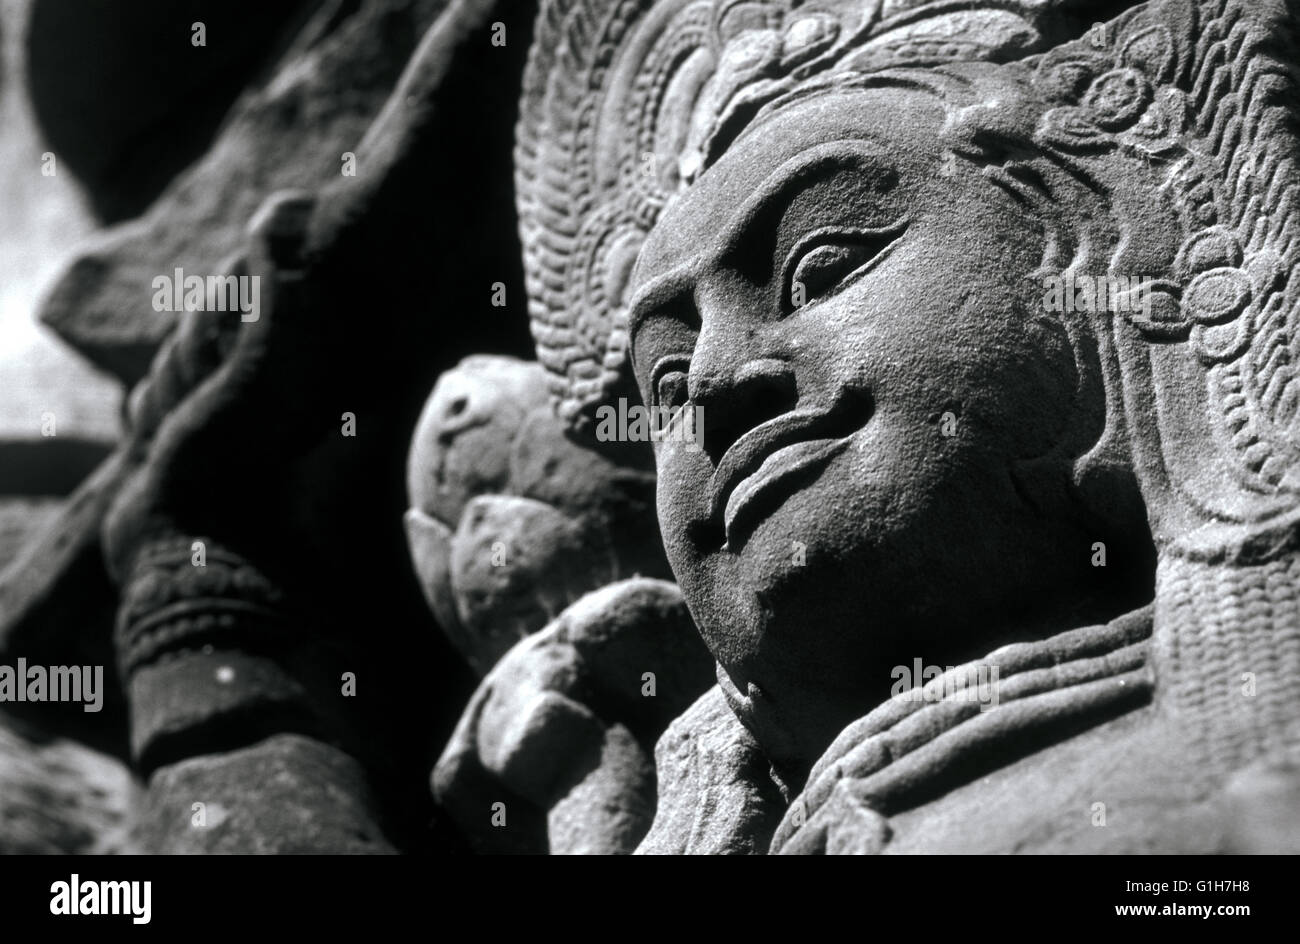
716	794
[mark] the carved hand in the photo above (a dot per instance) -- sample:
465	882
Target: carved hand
561	731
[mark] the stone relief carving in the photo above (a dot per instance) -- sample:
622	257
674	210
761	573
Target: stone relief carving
830	225
985	539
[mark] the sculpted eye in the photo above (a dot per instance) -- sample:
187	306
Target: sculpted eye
824	260
668	383
822	269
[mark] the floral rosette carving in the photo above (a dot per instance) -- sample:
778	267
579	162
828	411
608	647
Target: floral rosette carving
1115	100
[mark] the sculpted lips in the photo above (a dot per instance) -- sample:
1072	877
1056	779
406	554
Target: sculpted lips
775	458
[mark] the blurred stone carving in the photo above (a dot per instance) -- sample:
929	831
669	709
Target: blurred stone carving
331	71
562	729
251	518
58	796
514	531
510	521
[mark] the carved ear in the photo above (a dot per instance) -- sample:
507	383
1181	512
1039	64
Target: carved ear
1205	96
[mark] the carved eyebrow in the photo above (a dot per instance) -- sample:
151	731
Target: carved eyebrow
662	297
773	196
769	201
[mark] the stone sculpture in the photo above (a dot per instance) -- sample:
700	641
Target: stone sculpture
989	313
836	227
510	521
253	519
516	530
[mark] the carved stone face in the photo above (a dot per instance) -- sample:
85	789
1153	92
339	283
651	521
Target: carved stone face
858	322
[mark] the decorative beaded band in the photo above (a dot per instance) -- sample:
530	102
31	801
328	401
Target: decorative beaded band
187	593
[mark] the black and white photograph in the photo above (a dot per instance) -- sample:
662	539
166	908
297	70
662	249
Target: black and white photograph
657	427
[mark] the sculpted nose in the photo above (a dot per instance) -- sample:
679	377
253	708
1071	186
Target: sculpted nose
735	396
